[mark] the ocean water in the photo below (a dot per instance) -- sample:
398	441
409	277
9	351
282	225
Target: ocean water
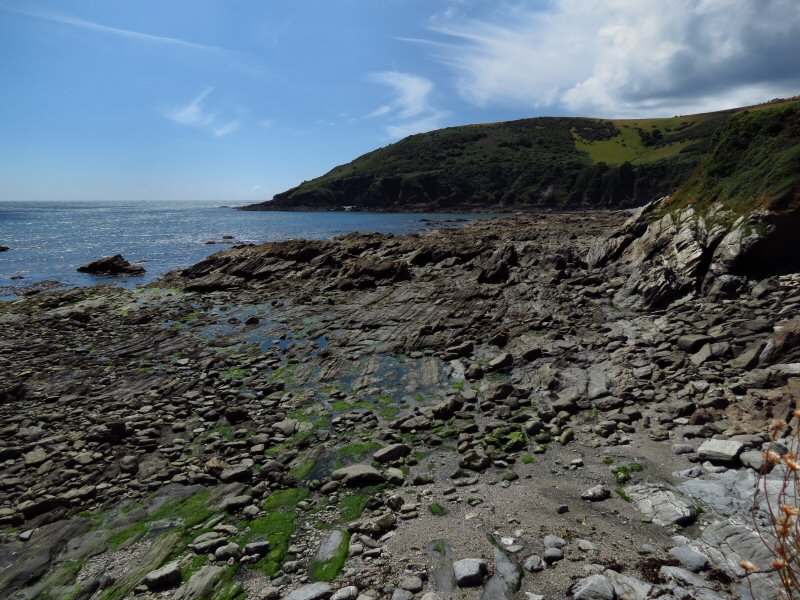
50	240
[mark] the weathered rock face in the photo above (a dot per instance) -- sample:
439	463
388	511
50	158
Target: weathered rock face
111	265
671	253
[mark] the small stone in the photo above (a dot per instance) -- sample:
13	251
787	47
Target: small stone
35	457
411	583
237	473
470	572
596	493
392	453
234	503
129	464
312	591
223	553
533	564
501	361
261	548
553	541
358	475
166	577
552	555
346	593
753	459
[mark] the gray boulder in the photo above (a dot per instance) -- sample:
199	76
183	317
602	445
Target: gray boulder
358	475
662	507
720	451
312	591
163	578
470	572
594	587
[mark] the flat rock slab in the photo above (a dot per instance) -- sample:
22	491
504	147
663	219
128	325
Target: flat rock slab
737	543
329	549
358	475
729	493
201	583
313	591
163	578
720	451
663	507
392	453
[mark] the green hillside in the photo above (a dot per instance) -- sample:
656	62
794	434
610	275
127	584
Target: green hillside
546	161
754	162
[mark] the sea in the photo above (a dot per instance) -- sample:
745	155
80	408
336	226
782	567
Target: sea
50	240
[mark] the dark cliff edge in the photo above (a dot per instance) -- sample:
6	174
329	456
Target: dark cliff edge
735	218
558	162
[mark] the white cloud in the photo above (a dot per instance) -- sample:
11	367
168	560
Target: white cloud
195	114
625	57
411	111
226	128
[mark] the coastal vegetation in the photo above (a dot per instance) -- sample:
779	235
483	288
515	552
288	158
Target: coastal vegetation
545	161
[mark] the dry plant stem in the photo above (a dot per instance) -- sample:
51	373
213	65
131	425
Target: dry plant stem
782	538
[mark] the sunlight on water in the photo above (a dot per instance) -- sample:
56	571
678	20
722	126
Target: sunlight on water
50	240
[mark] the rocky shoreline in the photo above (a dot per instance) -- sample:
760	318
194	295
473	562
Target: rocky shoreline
469	413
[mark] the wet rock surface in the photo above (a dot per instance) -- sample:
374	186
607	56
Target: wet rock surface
464	414
111	265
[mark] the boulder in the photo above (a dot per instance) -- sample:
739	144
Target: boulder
662	507
111	265
201	584
312	591
693	342
720	451
358	475
596	493
392	453
691	559
470	572
164	578
594	587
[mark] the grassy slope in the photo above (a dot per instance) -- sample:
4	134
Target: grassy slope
556	161
754	162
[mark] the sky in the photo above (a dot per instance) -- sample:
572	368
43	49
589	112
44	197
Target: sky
239	100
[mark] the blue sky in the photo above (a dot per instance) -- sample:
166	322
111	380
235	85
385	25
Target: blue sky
236	101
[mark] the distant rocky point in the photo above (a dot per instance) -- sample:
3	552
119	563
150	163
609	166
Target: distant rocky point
111	265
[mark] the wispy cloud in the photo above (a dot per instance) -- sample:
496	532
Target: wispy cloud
116	31
411	111
623	57
195	114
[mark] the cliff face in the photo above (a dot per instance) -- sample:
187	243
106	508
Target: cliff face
548	161
736	217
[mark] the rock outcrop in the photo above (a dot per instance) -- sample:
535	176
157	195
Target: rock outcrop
668	254
111	265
